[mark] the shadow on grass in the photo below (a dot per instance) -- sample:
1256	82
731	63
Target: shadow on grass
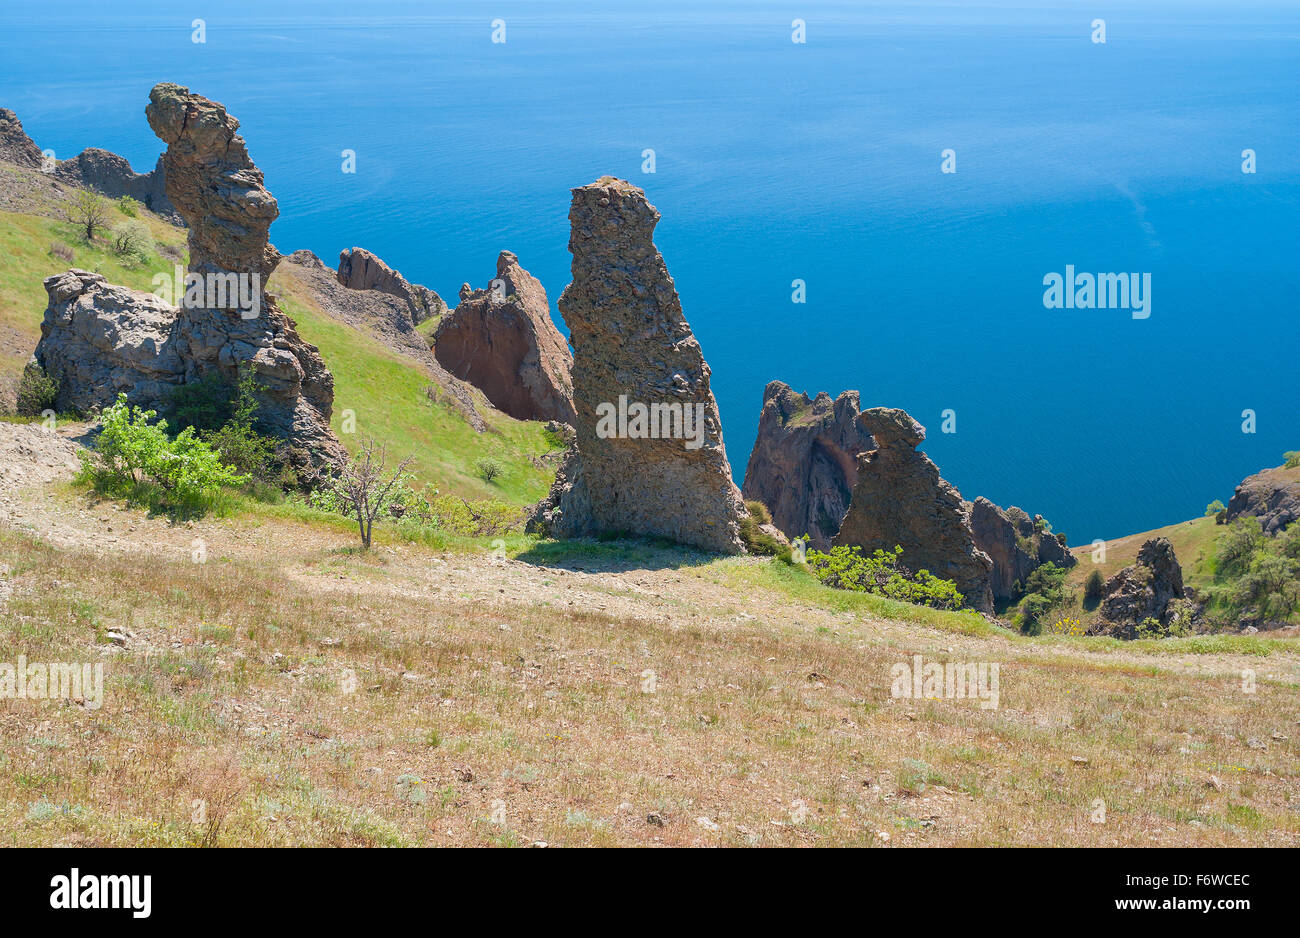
615	555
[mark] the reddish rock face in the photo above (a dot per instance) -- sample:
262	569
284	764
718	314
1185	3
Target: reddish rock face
804	464
900	500
1016	543
359	269
633	349
502	340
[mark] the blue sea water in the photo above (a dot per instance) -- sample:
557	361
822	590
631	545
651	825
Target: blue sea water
819	161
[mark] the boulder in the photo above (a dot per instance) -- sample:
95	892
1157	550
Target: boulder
1152	588
1272	496
359	269
98	339
15	146
901	500
804	464
648	458
1017	545
503	341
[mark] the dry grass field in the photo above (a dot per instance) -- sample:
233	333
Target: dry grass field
291	690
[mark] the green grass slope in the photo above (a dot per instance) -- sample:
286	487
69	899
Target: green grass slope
386	391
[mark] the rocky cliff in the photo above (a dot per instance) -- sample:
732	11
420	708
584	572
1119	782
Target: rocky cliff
97	339
901	500
1016	543
359	269
1151	588
111	175
804	464
502	340
1272	496
15	146
649	458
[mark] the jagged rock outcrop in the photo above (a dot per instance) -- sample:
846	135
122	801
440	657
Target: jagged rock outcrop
384	316
1272	496
804	464
111	175
633	351
15	146
502	340
97	339
360	269
1152	588
1016	543
900	500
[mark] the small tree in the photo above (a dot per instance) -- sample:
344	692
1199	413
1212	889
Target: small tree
364	488
1213	508
88	212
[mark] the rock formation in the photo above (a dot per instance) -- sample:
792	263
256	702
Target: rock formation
384	316
502	341
804	464
1152	588
359	269
98	339
15	146
900	500
111	175
1017	545
1272	496
649	458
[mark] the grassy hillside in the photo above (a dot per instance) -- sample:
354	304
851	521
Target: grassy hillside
386	391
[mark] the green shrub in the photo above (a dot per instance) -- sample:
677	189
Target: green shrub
128	206
845	567
205	404
756	540
1044	591
1213	508
244	449
1292	459
1092	590
37	391
132	241
488	469
134	458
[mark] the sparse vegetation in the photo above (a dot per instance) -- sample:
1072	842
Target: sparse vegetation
365	486
132	241
757	541
89	212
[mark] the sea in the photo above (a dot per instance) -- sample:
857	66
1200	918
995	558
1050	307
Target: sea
797	152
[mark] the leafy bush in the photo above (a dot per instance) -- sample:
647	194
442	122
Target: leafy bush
1044	591
845	567
132	241
128	206
1292	459
1092	590
37	391
488	469
243	448
1213	508
206	404
137	460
